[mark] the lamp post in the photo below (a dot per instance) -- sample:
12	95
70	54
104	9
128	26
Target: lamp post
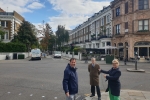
136	60
27	48
55	44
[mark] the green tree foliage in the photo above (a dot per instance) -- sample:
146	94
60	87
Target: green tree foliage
62	35
52	42
25	35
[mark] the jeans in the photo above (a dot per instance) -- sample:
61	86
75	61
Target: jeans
71	97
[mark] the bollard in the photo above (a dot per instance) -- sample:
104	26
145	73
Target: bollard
135	64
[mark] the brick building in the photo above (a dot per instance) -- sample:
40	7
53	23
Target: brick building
131	28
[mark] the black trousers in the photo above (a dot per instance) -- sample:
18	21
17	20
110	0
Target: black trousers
98	90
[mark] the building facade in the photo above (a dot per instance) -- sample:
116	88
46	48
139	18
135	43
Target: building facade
11	22
95	33
131	28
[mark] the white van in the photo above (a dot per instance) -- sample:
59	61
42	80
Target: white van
36	54
57	54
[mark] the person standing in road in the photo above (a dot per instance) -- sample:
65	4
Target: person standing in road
114	84
70	80
93	69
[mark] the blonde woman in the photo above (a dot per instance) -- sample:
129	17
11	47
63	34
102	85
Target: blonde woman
114	84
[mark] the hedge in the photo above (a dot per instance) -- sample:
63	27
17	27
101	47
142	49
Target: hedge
21	56
12	47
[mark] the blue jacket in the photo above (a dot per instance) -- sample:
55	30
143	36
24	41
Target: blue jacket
70	80
113	81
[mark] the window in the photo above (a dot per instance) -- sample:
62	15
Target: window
7	35
108	43
143	25
118	29
126	25
118	11
108	31
126	7
3	23
143	4
103	44
108	19
93	45
97	45
89	45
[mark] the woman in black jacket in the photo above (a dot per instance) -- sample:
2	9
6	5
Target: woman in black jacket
114	85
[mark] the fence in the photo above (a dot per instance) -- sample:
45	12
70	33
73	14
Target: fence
11	55
81	56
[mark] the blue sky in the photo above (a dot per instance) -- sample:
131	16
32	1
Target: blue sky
69	13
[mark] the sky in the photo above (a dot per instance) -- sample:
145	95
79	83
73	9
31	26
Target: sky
69	13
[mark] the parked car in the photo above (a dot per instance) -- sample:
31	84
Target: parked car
57	54
36	54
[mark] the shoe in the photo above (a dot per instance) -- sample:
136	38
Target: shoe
99	98
92	95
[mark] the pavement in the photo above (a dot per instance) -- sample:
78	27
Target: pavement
125	95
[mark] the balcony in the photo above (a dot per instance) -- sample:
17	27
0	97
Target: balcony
142	32
103	36
6	13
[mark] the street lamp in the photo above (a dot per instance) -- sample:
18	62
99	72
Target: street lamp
27	48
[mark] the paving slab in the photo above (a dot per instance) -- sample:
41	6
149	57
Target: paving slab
125	95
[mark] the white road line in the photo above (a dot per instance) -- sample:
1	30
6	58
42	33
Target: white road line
8	92
43	96
31	95
19	93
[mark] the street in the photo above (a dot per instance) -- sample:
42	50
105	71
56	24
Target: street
42	79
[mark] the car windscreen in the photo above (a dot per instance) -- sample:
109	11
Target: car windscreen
35	51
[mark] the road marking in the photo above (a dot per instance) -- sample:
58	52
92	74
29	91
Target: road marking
19	93
55	97
31	95
43	96
8	92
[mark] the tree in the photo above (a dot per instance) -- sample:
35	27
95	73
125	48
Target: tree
62	35
47	33
25	35
2	32
52	42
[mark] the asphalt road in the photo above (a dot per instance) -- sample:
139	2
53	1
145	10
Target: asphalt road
42	80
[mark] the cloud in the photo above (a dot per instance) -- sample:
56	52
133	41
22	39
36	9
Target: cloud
66	20
18	5
35	5
74	12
